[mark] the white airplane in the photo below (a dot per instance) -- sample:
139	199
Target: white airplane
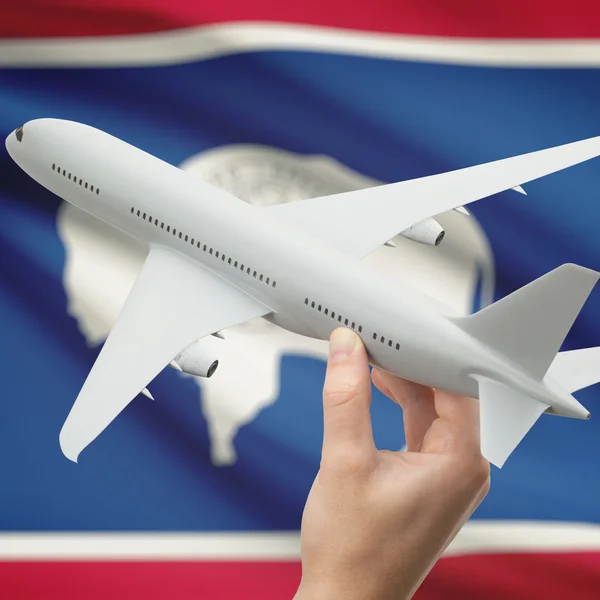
215	261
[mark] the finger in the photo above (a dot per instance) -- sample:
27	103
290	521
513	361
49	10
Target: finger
417	403
347	399
458	426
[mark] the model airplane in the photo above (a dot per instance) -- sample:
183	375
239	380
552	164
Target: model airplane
215	262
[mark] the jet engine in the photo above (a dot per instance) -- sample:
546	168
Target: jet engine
197	359
428	232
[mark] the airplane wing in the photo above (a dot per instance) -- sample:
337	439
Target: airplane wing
359	222
174	302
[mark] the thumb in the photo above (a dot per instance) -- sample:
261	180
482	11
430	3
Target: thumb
346	400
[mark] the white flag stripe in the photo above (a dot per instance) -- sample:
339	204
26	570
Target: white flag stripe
477	537
149	546
500	536
210	41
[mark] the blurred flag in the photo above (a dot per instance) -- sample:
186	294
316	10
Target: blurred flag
200	494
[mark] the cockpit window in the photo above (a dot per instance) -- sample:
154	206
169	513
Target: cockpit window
19	133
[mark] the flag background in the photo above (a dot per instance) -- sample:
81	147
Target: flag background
391	91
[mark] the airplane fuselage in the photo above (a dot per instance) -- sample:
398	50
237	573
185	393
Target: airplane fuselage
403	330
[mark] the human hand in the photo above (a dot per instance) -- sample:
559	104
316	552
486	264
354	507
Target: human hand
375	522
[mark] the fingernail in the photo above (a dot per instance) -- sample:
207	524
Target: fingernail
341	344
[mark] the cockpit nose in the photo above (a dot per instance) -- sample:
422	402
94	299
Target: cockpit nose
14	143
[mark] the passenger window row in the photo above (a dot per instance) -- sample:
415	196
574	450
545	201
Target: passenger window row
186	238
390	343
67	175
347	322
333	315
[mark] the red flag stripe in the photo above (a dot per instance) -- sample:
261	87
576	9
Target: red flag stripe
493	577
551	576
149	580
470	18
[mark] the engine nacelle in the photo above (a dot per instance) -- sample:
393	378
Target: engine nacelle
197	359
428	232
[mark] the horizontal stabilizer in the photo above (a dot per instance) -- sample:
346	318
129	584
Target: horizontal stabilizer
505	418
576	369
530	325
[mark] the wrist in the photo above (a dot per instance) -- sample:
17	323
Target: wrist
320	591
350	589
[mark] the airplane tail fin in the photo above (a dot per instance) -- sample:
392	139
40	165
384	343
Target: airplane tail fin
528	327
576	369
530	324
